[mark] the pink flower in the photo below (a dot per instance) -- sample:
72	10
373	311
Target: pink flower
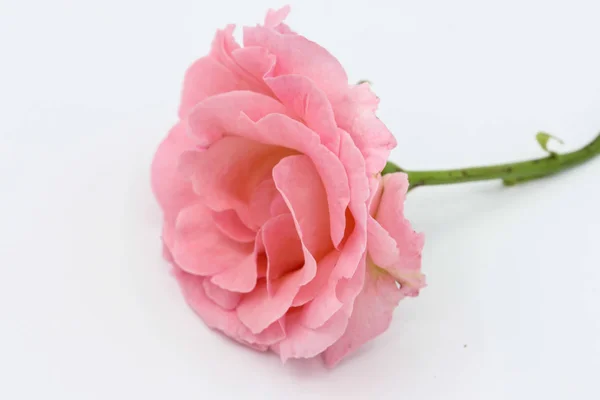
271	194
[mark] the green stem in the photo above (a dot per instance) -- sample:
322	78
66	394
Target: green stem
510	174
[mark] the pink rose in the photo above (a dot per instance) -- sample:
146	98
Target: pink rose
281	232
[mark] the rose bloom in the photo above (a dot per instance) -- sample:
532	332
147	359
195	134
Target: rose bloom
281	231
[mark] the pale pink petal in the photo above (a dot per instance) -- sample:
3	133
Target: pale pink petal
229	171
204	78
355	113
259	208
283	248
232	226
223	320
355	245
223	47
346	279
280	130
259	309
309	291
303	342
322	308
172	190
257	61
301	187
371	315
390	216
306	100
381	246
278	206
218	115
276	17
242	277
224	298
200	248
298	55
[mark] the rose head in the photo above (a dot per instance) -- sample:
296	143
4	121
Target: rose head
281	231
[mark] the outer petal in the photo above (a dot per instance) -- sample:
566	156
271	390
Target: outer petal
224	298
218	115
172	190
299	183
223	320
298	55
381	246
371	315
305	99
207	77
303	342
223	46
200	248
390	216
355	113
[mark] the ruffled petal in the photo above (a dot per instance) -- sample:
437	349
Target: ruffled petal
230	224
224	320
355	113
218	115
303	342
371	314
229	171
172	190
299	56
224	298
200	248
307	101
301	187
204	78
280	130
283	248
390	215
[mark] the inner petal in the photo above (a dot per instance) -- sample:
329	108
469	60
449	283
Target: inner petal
228	171
282	247
302	189
199	246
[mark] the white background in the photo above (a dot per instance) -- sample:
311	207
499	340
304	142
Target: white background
88	309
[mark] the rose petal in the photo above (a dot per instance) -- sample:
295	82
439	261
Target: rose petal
223	320
301	187
259	309
242	278
306	100
309	291
299	56
218	115
283	248
204	78
381	246
355	113
303	342
224	298
276	17
390	216
371	315
229	171
280	130
171	189
200	248
230	224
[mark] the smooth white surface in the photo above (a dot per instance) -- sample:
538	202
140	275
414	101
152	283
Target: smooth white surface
88	309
